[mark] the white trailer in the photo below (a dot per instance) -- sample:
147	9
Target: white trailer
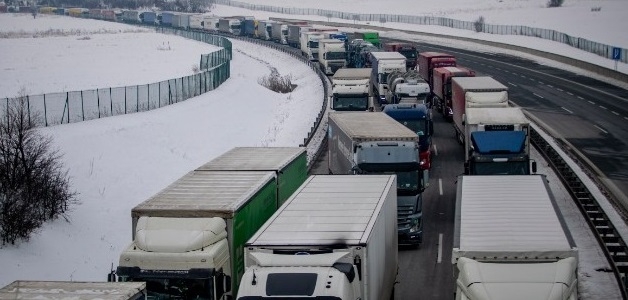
332	55
309	44
510	241
481	91
279	32
351	89
333	239
74	290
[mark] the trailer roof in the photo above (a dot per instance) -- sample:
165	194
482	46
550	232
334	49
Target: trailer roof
495	115
387	55
479	83
509	216
435	54
254	159
352	73
206	194
328	210
371	126
73	290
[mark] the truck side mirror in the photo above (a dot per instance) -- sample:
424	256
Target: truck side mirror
534	167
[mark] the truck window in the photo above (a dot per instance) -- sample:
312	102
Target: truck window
501	168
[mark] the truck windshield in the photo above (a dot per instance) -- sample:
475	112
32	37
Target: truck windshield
501	168
418	126
336	55
313	44
177	288
408	181
351	103
408	53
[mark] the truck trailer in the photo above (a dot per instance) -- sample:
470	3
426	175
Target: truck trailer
74	290
478	92
497	142
428	61
351	89
190	235
332	55
333	239
294	34
279	32
374	143
384	63
441	91
510	241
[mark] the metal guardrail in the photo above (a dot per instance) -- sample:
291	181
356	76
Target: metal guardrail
609	239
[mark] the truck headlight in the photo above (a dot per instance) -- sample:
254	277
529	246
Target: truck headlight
415	225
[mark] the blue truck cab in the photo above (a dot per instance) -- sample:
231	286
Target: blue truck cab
499	153
418	118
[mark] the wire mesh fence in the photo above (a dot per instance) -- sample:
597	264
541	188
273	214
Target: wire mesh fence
604	50
76	106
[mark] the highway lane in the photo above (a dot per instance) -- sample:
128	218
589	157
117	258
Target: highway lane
426	272
588	113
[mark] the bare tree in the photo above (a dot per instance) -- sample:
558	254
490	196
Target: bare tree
34	187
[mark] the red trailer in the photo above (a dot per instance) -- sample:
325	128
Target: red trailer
441	92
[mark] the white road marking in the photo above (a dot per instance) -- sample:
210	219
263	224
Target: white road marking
570	93
614	112
512	84
569	111
535	94
440	186
560	89
435	150
602	107
440	248
580	98
550	85
592	102
600	129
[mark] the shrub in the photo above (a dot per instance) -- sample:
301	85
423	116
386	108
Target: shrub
555	3
277	83
34	187
479	24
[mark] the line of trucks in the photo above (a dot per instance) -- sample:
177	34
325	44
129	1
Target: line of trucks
250	225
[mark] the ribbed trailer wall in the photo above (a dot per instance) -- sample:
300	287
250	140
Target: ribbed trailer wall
288	163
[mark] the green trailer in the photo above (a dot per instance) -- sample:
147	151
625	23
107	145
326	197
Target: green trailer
369	36
288	163
187	237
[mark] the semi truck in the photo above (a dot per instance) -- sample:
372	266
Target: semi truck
428	61
482	91
229	25
79	290
359	53
406	49
165	18
510	241
374	143
407	87
181	20
384	63
441	81
190	235
351	90
294	34
265	30
309	44
333	239
497	142
279	32
418	118
332	55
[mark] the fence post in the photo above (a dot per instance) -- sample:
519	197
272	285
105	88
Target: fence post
67	104
82	105
28	108
98	102
125	108
45	111
137	98
110	102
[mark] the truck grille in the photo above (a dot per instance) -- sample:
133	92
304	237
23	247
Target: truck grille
402	215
